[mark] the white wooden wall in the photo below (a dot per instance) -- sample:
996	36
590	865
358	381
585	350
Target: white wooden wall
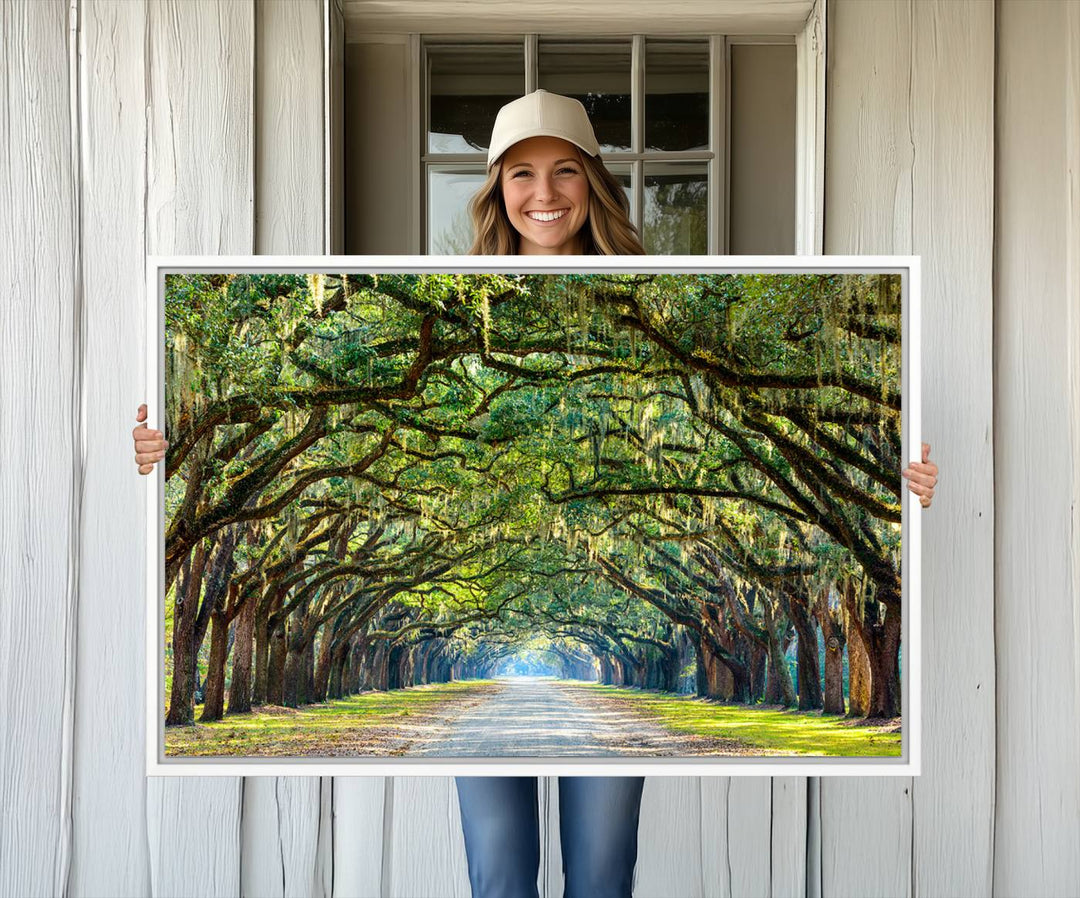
182	127
909	147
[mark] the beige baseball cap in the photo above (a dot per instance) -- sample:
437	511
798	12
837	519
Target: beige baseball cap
541	114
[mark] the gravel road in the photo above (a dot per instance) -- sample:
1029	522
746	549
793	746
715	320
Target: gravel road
542	717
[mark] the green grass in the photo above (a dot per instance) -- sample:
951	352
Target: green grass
347	726
791	731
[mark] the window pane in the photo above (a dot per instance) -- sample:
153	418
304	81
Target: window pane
676	208
762	178
449	191
597	74
622	174
676	95
467	84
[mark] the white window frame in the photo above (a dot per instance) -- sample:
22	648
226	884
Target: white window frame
810	125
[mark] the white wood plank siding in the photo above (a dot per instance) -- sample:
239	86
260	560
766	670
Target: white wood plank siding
952	122
669	838
424	853
788	839
283	816
736	830
1072	289
1037	832
200	198
358	803
41	456
289	132
109	812
909	153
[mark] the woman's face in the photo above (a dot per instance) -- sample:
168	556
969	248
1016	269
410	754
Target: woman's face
546	195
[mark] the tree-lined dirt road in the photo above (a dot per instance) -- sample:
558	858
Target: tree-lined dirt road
542	717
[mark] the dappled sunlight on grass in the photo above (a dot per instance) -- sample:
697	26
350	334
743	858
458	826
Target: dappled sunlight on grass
365	724
791	731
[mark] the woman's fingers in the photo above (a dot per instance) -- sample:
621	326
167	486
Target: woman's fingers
145	438
922	477
924	474
147	446
150	445
921	489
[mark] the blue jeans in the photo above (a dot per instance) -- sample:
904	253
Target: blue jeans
598	822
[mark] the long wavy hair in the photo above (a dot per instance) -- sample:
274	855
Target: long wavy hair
607	231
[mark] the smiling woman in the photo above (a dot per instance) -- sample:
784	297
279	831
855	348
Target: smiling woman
547	191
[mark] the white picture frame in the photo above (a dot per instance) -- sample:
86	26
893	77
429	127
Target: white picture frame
908	764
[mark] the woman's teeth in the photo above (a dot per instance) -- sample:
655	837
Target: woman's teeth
546	216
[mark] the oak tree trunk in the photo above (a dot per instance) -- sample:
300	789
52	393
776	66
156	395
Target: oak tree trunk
185	653
240	685
778	688
808	663
275	666
214	693
831	621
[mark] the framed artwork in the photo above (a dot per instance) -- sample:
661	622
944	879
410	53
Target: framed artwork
508	515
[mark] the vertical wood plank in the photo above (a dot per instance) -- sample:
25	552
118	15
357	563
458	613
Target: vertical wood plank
910	170
714	836
282	819
200	197
869	157
279	836
200	193
289	128
789	822
40	447
425	849
952	130
193	829
1037	821
669	838
108	817
360	810
736	835
1072	289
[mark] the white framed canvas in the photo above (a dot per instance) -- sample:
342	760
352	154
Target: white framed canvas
567	515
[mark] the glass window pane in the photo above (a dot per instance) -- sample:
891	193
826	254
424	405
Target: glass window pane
676	95
449	191
676	208
623	175
467	84
598	74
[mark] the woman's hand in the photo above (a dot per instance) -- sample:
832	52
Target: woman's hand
922	477
149	444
